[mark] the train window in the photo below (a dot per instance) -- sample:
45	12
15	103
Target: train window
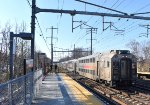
93	60
93	72
90	60
133	66
87	60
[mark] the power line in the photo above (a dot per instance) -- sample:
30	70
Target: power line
39	27
29	3
42	33
100	18
96	20
145	6
120	3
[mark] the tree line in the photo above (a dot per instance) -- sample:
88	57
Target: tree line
22	51
140	49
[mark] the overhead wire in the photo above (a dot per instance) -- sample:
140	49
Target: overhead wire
139	9
98	19
39	27
87	22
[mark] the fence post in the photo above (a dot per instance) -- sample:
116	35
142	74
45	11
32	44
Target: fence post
10	93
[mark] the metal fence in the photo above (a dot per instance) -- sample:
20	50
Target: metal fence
38	74
18	91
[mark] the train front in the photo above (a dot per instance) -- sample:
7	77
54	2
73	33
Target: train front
124	67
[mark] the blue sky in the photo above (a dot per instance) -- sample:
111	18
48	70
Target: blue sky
18	11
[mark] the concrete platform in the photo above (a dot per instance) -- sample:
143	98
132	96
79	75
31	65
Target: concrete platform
59	89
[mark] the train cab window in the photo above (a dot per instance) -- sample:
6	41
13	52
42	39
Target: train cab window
133	66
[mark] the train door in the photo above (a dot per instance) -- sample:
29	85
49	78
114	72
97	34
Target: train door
75	67
97	68
126	70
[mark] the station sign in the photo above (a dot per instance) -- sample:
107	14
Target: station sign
29	63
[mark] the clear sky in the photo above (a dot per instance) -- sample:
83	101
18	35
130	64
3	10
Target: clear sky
18	11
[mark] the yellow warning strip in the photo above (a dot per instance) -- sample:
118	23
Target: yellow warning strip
79	93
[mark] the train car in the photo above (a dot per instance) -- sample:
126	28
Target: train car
143	69
68	65
71	65
87	66
64	65
114	68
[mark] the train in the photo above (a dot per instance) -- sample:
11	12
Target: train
113	68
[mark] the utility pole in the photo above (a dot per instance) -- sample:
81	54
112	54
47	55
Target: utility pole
33	29
52	29
91	30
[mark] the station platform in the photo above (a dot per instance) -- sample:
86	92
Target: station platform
60	89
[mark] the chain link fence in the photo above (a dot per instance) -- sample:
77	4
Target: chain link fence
18	91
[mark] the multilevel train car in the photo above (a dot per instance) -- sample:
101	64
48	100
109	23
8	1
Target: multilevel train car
143	69
114	68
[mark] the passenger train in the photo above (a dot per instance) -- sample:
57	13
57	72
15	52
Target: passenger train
114	68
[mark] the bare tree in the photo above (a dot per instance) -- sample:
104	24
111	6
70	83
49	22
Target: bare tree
146	50
135	48
4	51
22	50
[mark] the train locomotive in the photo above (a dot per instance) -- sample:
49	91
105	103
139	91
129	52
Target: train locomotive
114	68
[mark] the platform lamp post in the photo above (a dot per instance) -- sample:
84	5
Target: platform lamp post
24	36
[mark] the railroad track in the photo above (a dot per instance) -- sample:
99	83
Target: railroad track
127	96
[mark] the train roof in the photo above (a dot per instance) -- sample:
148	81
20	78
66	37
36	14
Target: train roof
90	56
